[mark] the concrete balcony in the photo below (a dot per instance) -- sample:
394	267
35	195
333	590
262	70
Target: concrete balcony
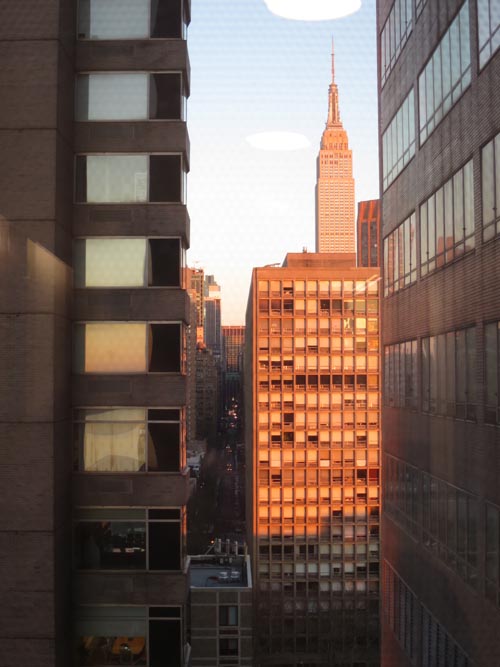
131	220
130	588
142	304
151	389
169	136
131	489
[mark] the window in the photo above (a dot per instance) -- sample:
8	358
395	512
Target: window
444	517
400	363
128	347
447	221
492	565
419	6
490	186
398	141
228	615
400	257
488	17
128	440
128	262
492	369
394	35
130	19
129	179
128	539
228	647
129	96
448	374
446	75
110	635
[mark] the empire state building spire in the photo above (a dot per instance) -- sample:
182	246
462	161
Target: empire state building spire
333	99
335	185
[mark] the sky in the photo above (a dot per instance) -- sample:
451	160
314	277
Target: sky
256	71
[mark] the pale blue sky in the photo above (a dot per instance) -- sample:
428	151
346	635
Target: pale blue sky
253	71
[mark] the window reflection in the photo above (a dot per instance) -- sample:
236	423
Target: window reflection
111	650
111	545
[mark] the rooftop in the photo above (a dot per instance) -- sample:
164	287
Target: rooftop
220	571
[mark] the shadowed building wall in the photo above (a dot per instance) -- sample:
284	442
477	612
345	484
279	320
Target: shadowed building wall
439	104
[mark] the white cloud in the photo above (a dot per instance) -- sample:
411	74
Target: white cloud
313	10
278	141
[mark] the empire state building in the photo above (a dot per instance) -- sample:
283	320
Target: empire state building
335	186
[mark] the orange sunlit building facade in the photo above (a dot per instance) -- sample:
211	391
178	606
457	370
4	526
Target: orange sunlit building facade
368	226
313	502
335	185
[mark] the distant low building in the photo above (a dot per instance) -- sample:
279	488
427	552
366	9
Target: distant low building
221	610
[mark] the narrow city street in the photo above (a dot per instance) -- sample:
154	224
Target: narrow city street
217	507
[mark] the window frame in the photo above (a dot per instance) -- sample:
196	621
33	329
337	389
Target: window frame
184	6
100	517
147	266
145	202
147	371
184	94
79	420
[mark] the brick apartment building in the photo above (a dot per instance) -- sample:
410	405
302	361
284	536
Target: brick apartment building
94	312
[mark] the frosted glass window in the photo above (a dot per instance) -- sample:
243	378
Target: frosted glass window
110	263
111	347
128	347
117	96
113	19
116	178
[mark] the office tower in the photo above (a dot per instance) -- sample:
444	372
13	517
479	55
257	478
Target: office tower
196	281
335	184
191	347
312	460
221	608
439	103
233	342
213	332
94	228
207	393
368	226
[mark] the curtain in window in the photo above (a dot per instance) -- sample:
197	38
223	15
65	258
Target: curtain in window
114	447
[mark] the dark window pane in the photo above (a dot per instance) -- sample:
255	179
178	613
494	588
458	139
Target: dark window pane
167	514
166	18
164	612
165	98
164	447
163	415
164	546
165	348
165	178
111	545
81	178
165	262
164	643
